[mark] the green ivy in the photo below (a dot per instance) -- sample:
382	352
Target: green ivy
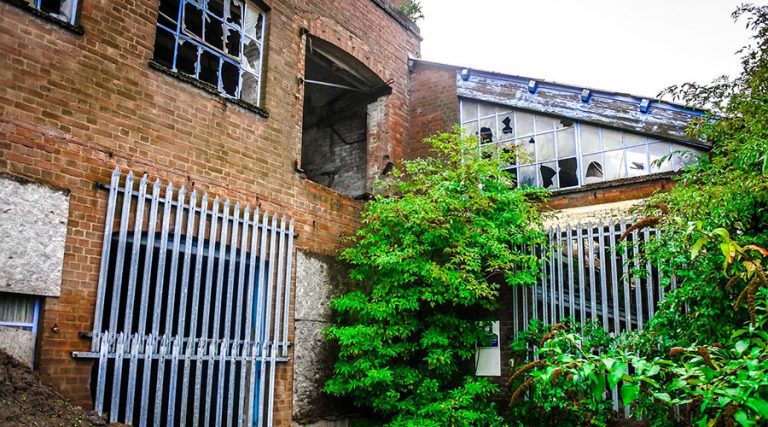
429	261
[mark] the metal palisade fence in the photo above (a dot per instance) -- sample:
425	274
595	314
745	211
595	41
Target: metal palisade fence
588	274
192	308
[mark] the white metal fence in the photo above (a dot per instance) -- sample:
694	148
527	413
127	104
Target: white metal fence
192	308
588	275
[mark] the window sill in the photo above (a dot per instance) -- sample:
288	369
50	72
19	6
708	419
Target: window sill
615	183
23	5
208	88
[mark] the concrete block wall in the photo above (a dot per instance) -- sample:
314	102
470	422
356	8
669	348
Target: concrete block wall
73	107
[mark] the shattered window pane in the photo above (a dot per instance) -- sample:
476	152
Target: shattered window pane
505	127
487	127
63	10
557	152
594	168
548	175
567	171
219	42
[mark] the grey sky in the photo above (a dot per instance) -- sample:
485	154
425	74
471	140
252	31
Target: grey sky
633	46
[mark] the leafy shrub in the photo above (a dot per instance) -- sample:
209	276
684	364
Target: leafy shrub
428	263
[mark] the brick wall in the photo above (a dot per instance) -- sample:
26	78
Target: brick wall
434	107
73	107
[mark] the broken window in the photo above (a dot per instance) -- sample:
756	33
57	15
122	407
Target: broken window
218	42
342	101
63	10
559	153
19	318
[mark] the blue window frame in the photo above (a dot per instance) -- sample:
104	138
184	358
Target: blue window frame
217	42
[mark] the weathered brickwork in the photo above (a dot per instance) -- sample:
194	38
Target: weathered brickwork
73	107
435	107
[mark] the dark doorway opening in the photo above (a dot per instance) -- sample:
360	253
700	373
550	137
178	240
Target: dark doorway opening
335	132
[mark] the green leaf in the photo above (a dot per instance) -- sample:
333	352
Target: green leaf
696	248
598	386
742	346
617	372
760	406
664	397
742	418
629	393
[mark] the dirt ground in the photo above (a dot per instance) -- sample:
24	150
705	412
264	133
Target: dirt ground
26	402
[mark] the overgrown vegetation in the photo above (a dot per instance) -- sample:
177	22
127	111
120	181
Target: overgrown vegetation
703	359
429	262
412	9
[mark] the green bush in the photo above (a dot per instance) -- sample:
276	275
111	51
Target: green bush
429	262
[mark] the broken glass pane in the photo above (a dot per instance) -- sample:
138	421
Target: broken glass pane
631	139
637	160
486	109
487	127
526	176
468	111
230	77
235	12
544	124
233	42
656	151
169	11
512	174
545	146
60	9
594	171
209	68
249	90
214	34
611	139
568	173
254	21
527	150
590	139
508	154
186	57
251	55
548	175
216	7
614	165
506	130
524	122
193	20
566	142
563	123
165	45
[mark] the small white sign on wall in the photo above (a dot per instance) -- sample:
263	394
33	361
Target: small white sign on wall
488	359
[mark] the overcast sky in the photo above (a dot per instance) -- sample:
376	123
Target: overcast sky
632	46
